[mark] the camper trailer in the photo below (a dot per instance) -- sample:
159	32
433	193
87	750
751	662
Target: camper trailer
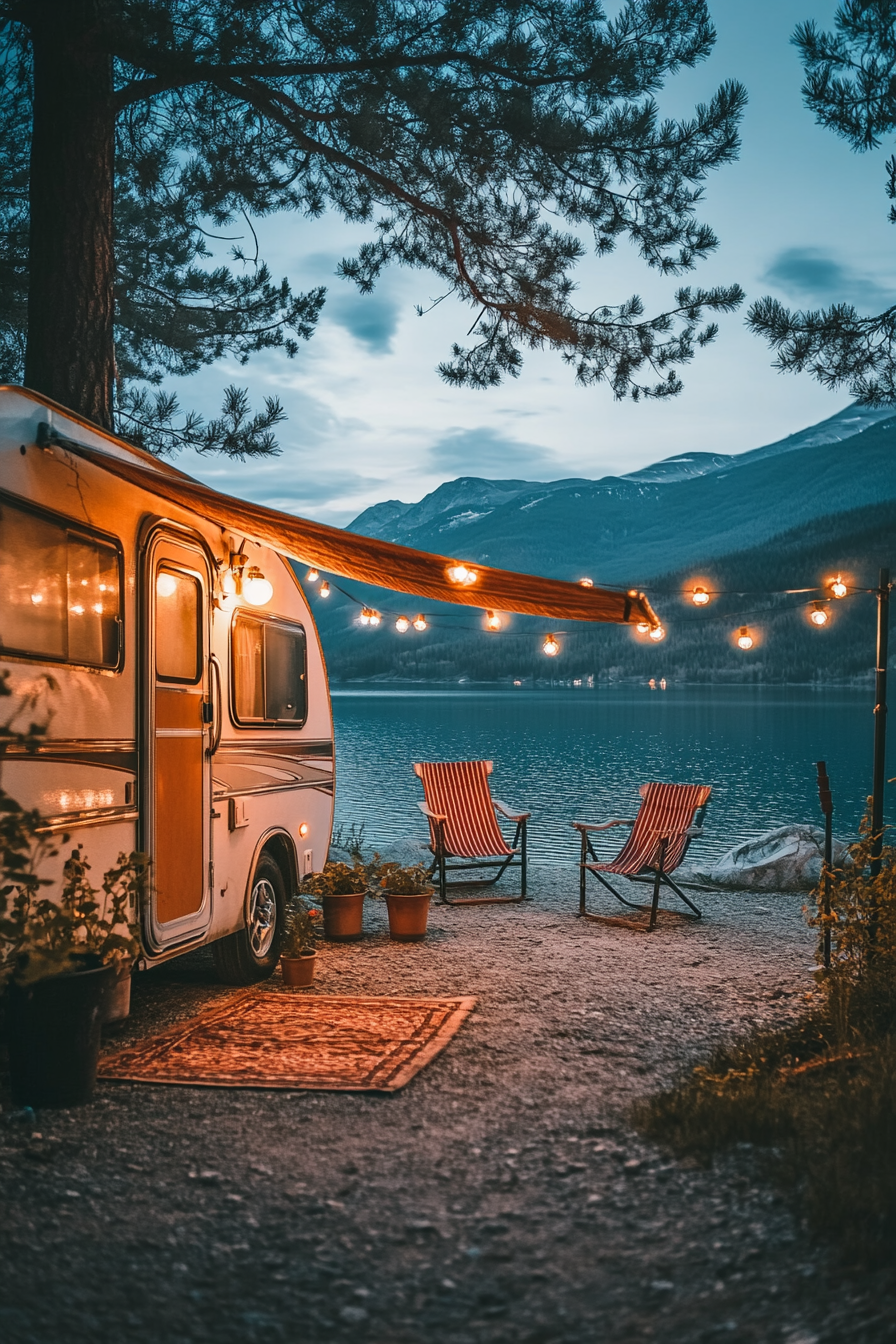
174	666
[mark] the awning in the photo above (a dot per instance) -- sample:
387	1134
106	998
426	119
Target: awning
370	560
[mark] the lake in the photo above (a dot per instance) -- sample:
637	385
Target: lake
581	754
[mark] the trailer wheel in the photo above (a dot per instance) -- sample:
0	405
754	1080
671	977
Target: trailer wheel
251	954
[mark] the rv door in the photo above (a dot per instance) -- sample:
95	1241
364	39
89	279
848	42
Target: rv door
176	803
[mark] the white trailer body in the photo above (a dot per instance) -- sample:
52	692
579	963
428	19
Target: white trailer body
180	719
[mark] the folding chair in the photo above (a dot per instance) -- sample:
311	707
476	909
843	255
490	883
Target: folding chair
669	818
462	825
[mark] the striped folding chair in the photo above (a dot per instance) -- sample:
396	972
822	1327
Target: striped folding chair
669	818
463	826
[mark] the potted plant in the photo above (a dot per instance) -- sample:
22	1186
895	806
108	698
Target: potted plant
408	892
340	889
298	953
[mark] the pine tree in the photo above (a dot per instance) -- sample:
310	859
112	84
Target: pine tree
478	140
850	85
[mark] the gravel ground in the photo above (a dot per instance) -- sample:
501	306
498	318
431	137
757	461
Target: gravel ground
502	1196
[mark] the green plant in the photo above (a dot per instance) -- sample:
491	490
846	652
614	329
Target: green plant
351	840
300	927
336	879
414	880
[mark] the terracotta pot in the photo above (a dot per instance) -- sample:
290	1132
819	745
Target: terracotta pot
298	971
54	1036
407	916
343	916
118	1006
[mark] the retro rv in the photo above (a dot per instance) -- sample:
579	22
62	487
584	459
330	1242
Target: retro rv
157	632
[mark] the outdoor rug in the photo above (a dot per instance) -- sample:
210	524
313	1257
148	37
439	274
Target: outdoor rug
320	1042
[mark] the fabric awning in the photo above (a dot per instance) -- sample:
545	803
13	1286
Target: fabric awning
370	560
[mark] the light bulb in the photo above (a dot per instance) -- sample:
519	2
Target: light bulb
744	638
550	646
420	622
166	585
324	589
257	590
643	627
461	574
818	615
586	583
37	598
657	633
402	624
493	621
303	829
699	596
837	586
375	618
312	576
364	618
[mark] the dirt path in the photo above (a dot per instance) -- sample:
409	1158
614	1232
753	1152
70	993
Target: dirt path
500	1197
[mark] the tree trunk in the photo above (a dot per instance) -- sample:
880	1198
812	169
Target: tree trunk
70	353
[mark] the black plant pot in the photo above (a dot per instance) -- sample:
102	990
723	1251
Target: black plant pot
54	1036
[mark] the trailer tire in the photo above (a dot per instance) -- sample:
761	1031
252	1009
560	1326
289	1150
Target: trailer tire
251	954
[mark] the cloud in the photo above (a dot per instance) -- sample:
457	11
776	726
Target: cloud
487	452
808	275
371	318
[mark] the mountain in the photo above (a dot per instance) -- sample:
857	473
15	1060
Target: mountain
684	509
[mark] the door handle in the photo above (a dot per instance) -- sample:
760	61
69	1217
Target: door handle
216	705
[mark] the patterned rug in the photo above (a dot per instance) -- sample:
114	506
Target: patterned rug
321	1042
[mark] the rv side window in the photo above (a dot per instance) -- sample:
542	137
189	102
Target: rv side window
268	662
61	590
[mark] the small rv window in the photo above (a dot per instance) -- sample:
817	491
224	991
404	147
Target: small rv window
178	628
61	590
268	662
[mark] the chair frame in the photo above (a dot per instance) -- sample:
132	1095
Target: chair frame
657	876
441	855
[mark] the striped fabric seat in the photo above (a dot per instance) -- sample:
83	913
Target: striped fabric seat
667	812
458	792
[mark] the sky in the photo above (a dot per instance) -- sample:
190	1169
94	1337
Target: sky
799	216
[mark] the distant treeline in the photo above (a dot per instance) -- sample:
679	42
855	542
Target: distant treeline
699	645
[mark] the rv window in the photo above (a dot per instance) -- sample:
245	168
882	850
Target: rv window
61	590
178	629
268	660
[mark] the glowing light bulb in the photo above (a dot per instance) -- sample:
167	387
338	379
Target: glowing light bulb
257	590
462	575
37	598
586	583
744	638
837	586
303	829
98	608
699	596
493	621
551	646
420	622
375	618
818	615
364	618
324	589
166	585
312	576
643	627
657	633
402	624
77	609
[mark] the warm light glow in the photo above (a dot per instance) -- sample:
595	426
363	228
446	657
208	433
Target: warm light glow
369	616
462	575
98	608
837	586
228	583
586	583
699	596
257	590
657	633
643	627
166	585
312	576
551	646
375	618
402	624
37	598
744	638
77	609
324	589
303	829
493	621
818	615
420	622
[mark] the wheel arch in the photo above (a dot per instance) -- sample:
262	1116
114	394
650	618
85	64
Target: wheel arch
281	846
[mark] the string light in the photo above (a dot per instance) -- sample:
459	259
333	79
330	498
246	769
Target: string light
837	586
551	646
699	596
324	589
657	633
462	575
744	638
375	618
493	621
419	622
643	627
586	583
402	624
312	576
818	615
364	618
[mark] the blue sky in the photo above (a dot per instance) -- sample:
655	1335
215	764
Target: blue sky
799	216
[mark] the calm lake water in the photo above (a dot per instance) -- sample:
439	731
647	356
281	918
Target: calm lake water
581	754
